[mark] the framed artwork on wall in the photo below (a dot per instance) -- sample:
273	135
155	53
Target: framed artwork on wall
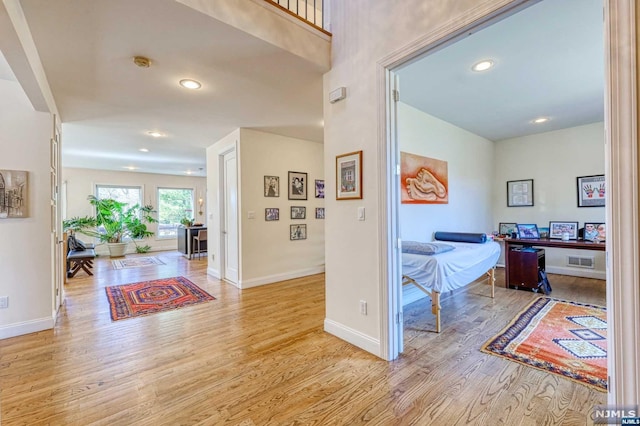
298	212
297	232
520	193
319	188
349	176
14	197
319	212
591	191
271	186
297	184
271	214
423	180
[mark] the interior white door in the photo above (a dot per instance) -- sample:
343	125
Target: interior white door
230	225
59	261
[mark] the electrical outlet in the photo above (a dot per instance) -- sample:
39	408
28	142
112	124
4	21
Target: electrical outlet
363	307
213	256
4	302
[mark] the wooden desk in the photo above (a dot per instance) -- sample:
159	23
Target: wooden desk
571	244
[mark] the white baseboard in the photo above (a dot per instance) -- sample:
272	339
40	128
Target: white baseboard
576	272
214	273
255	282
26	327
352	336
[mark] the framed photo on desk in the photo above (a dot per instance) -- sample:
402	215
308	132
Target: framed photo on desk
556	229
528	231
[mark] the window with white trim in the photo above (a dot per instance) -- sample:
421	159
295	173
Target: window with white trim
174	204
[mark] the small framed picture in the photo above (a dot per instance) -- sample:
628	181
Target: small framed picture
271	186
297	232
528	231
349	176
505	228
591	191
297	186
595	231
544	232
271	214
520	193
557	230
319	188
319	212
298	212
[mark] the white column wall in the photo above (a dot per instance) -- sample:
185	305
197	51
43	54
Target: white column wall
25	251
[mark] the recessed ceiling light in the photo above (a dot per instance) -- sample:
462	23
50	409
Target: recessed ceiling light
190	84
482	65
540	120
143	150
155	134
188	172
129	167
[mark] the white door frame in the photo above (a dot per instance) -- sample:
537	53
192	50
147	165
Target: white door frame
621	169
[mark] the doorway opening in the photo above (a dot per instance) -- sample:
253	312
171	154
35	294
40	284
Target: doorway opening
464	115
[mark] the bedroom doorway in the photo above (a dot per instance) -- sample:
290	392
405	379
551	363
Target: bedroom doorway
398	135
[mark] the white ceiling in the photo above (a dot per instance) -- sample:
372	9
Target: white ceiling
108	104
549	62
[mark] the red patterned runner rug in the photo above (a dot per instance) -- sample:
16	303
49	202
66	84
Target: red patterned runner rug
561	337
148	297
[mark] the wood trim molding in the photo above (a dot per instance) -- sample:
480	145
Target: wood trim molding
623	274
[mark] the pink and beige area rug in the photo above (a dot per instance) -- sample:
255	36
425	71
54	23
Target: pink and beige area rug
561	337
149	297
136	262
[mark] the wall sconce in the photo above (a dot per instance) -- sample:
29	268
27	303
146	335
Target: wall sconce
200	202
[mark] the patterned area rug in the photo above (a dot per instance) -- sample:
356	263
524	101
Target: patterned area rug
136	262
565	338
148	297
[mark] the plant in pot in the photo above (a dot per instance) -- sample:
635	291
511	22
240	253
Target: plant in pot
113	223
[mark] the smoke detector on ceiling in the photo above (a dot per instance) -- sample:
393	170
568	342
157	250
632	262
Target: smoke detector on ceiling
141	61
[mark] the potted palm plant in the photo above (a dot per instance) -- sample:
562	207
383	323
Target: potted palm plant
113	223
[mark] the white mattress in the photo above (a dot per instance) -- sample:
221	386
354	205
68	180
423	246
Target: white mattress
453	269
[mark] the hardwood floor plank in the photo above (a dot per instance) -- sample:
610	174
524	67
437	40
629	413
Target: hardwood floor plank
260	357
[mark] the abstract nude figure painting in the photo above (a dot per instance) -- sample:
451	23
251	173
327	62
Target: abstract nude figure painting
423	180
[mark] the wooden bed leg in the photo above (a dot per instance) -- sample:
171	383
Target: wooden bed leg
435	308
492	279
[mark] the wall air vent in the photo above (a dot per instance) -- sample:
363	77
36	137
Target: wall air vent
581	261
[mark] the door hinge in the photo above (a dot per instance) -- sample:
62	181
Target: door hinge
395	94
399	242
397	169
399	318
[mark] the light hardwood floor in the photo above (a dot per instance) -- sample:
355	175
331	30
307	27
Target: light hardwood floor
260	357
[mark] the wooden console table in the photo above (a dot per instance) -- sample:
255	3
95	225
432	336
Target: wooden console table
571	244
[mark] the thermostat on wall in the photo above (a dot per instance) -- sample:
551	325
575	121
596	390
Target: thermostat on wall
337	95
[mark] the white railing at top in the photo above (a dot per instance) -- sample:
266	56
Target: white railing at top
310	11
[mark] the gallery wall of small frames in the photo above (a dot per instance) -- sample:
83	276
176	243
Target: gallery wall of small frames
297	189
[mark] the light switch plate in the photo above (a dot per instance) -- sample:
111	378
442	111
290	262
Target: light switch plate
360	213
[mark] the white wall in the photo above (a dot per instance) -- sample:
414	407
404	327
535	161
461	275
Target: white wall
82	182
360	42
470	167
266	252
25	250
553	160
